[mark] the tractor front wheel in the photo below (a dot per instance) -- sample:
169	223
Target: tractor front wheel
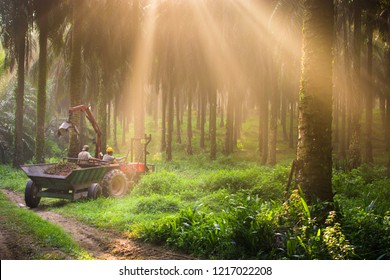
31	194
114	183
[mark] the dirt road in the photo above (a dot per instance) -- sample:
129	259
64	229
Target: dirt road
107	245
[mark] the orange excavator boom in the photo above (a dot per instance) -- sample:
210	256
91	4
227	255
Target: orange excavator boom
90	117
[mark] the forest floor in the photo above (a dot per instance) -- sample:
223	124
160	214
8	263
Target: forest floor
100	244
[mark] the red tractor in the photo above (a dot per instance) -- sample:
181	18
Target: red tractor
91	179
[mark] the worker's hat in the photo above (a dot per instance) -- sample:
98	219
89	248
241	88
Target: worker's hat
85	148
109	150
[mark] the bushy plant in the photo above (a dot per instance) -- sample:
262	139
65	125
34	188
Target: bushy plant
157	203
253	224
300	236
349	184
369	232
162	182
215	201
233	180
265	182
242	230
366	187
337	245
307	235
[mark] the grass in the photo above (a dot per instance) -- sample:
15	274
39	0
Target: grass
49	236
11	178
235	210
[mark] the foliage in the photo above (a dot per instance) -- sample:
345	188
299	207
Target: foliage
307	237
365	187
369	232
204	213
241	231
7	122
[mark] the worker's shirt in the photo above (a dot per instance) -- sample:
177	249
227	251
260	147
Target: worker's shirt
84	157
108	158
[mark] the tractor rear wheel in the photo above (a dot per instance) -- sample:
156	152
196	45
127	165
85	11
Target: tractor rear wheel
31	194
114	183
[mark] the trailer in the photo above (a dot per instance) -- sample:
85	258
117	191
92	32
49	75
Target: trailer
79	183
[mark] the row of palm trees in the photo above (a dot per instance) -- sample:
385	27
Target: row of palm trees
99	41
17	39
78	33
221	57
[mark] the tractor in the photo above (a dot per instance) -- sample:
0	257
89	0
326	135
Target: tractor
91	179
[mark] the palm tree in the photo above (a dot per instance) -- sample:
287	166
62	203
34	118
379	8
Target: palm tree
41	8
314	152
14	25
46	21
354	151
75	74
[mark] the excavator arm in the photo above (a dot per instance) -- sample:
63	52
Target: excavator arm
84	108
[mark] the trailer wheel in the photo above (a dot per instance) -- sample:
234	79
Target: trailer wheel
94	191
31	194
114	183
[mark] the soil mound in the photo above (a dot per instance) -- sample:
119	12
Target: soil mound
62	168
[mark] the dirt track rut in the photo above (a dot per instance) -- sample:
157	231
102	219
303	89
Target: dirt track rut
101	244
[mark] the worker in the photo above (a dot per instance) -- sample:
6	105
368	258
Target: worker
108	156
84	156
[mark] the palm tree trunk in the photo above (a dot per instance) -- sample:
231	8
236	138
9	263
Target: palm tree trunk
344	106
291	132
189	124
102	114
198	110
314	152
354	145
109	115
342	133
21	51
115	122
178	122
75	81
283	117
369	98
163	119
124	125
222	111
203	105
388	96
229	124
273	126
263	127
237	121
41	97
170	112
213	124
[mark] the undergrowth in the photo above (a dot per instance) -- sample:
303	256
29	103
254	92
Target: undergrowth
241	213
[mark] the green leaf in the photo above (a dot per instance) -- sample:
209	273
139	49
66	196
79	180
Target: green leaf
305	208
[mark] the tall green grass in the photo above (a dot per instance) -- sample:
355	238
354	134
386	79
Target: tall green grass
12	178
235	210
